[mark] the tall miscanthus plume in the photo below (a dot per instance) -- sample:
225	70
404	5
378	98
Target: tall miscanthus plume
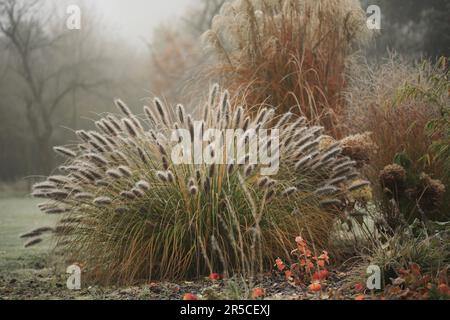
288	53
129	212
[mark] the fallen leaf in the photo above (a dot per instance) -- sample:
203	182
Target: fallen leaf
190	296
359	287
214	276
314	287
258	293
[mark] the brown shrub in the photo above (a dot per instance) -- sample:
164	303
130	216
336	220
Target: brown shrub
396	101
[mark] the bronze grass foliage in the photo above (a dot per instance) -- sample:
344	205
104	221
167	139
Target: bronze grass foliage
291	53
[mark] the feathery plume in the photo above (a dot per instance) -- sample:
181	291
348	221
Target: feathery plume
65	152
358	185
327	190
128	195
83	196
102	201
143	185
32	242
123	107
162	175
129	125
138	192
114	173
125	171
181	113
161	111
289	191
150	116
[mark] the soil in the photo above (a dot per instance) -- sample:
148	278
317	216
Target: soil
36	280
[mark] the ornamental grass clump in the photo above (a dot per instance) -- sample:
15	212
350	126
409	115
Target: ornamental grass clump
132	211
288	53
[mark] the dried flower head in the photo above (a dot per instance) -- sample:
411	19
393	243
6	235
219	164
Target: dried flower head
393	177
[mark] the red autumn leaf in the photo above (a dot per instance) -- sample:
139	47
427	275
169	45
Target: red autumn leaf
320	275
307	253
288	274
359	287
258	293
324	274
316	276
280	264
190	296
309	265
314	287
324	256
214	276
444	289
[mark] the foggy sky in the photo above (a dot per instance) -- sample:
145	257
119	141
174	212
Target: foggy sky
133	19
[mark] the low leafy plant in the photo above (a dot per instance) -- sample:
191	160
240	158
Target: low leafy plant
308	268
425	245
412	283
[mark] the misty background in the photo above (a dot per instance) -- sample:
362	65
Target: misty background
54	80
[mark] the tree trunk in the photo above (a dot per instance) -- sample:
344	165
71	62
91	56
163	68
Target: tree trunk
44	163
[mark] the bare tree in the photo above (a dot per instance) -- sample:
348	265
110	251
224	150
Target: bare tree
45	77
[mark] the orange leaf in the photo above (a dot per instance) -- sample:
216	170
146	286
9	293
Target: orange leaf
190	296
320	275
307	253
288	274
360	297
300	241
280	264
214	276
314	287
258	293
324	274
324	256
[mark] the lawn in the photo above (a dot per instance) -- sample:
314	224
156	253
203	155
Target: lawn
17	216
